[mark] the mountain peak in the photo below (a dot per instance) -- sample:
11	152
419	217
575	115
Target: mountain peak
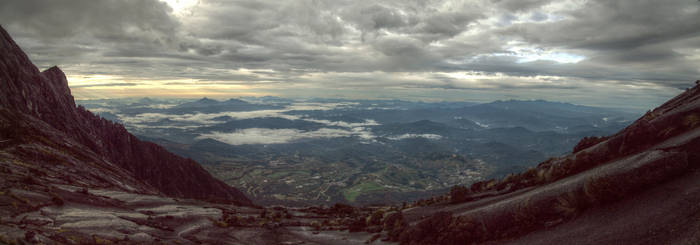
13	56
42	102
58	80
43	94
146	100
206	100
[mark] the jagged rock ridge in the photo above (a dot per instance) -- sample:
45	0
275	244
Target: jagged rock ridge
27	94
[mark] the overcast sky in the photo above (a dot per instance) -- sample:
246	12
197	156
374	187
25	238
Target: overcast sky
625	53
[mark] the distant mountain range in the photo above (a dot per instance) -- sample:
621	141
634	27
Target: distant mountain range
267	146
206	105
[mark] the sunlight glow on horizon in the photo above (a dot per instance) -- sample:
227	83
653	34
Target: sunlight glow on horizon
107	86
462	86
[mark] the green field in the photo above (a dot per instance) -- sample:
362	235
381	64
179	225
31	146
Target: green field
352	193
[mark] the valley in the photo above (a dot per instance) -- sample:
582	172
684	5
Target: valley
322	151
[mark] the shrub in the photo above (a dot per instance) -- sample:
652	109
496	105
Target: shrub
588	142
692	120
220	223
459	194
99	240
394	224
343	209
357	225
490	184
315	225
482	186
542	176
376	218
650	115
6	240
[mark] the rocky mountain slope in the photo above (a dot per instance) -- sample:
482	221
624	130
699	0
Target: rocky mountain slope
639	186
34	103
69	176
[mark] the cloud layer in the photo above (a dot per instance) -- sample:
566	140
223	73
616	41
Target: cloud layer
206	119
414	136
627	51
272	136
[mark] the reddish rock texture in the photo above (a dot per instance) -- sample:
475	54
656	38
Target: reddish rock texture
27	93
646	176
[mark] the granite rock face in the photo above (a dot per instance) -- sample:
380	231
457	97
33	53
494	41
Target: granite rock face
34	103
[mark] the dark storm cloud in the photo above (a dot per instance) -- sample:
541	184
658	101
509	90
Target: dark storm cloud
78	31
375	17
617	25
50	20
380	44
634	37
